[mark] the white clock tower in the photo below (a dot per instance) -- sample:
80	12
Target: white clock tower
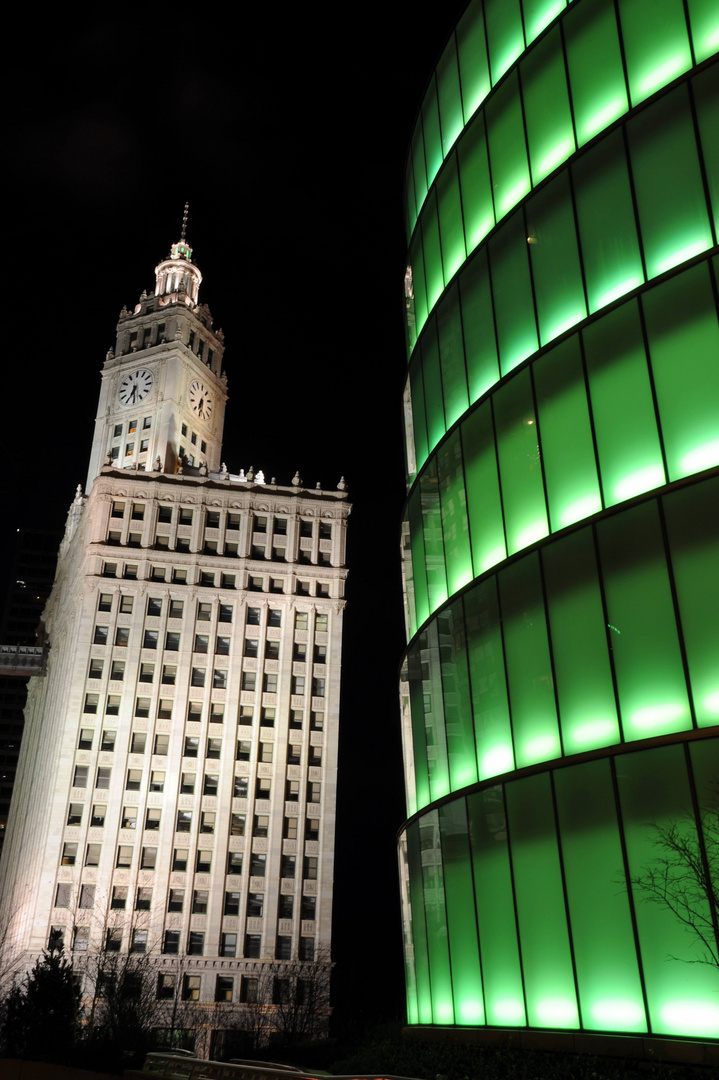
163	393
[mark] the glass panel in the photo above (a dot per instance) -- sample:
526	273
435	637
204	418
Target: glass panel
503	994
546	959
461	918
473	64
525	514
408	935
656	44
433	398
607	226
419	415
410	208
668	184
691	520
436	916
477	204
484	506
546	107
642	626
625	427
512	292
538	14
450	220
419	737
683	333
430	126
704	23
419	571
418	165
610	990
587	707
433	706
529	671
420	292
455	526
478	326
419	925
451	355
565	434
457	700
489	684
450	99
552	240
596	76
504	35
432	525
507	148
656	804
706	97
432	252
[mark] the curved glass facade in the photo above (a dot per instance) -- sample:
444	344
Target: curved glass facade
560	541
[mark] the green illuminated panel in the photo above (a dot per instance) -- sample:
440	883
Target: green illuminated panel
457	699
654	795
691	520
504	35
451	357
419	417
555	259
546	959
668	184
473	62
433	705
410	208
455	526
507	150
681	320
495	754
461	917
594	59
567	449
520	470
704	22
450	98
420	292
484	505
436	916
706	96
640	614
529	670
538	14
434	276
630	459
414	508
607	226
587	708
419	925
419	735
512	292
477	204
546	107
418	166
504	999
450	220
478	327
433	398
656	44
610	991
432	140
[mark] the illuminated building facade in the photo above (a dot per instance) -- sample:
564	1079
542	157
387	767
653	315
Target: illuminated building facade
175	794
560	689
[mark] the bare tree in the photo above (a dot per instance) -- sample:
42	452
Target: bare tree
684	878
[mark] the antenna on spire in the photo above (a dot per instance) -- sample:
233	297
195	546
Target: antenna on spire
184	221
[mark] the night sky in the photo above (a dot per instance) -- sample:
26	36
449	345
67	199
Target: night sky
287	133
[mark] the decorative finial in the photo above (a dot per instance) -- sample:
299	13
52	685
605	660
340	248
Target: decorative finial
184	222
342	486
296	479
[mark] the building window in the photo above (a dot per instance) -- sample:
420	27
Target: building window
251	647
207	821
172	641
229	580
202	643
272	650
179	860
122	636
166	987
154	606
298	685
198	676
270	683
266	752
285	909
143	898
69	855
317	721
217	712
210	784
253	616
192	745
87	897
207	578
283	948
309	872
139	941
225	985
312	829
130	571
85	740
299	653
129	817
195	947
240	787
176	900
100	635
214	748
104	601
164	709
134	780
234	862
321	622
261	825
263	787
194	711
185	517
200	900
187	783
162	745
113	940
74	813
314	791
249	988
112	706
157	781
225	614
63	895
237	825
318	688
292	791
219	679
126	605
117	671
92	854
295	718
232	903
290	830
169	674
267	717
288	866
258	864
171	942
150	639
164	515
184	821
119	898
294	754
152	820
246	716
95	671
124	856
307	948
176	609
102	780
97	817
253	946
228	944
249	680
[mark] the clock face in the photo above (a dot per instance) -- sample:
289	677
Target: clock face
135	386
200	400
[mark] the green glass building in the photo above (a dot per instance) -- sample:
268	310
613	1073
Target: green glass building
560	540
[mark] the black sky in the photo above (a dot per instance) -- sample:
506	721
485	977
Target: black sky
287	133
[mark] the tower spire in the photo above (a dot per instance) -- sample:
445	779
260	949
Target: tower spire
184	222
176	277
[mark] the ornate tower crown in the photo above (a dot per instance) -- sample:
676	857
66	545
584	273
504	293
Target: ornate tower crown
177	279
